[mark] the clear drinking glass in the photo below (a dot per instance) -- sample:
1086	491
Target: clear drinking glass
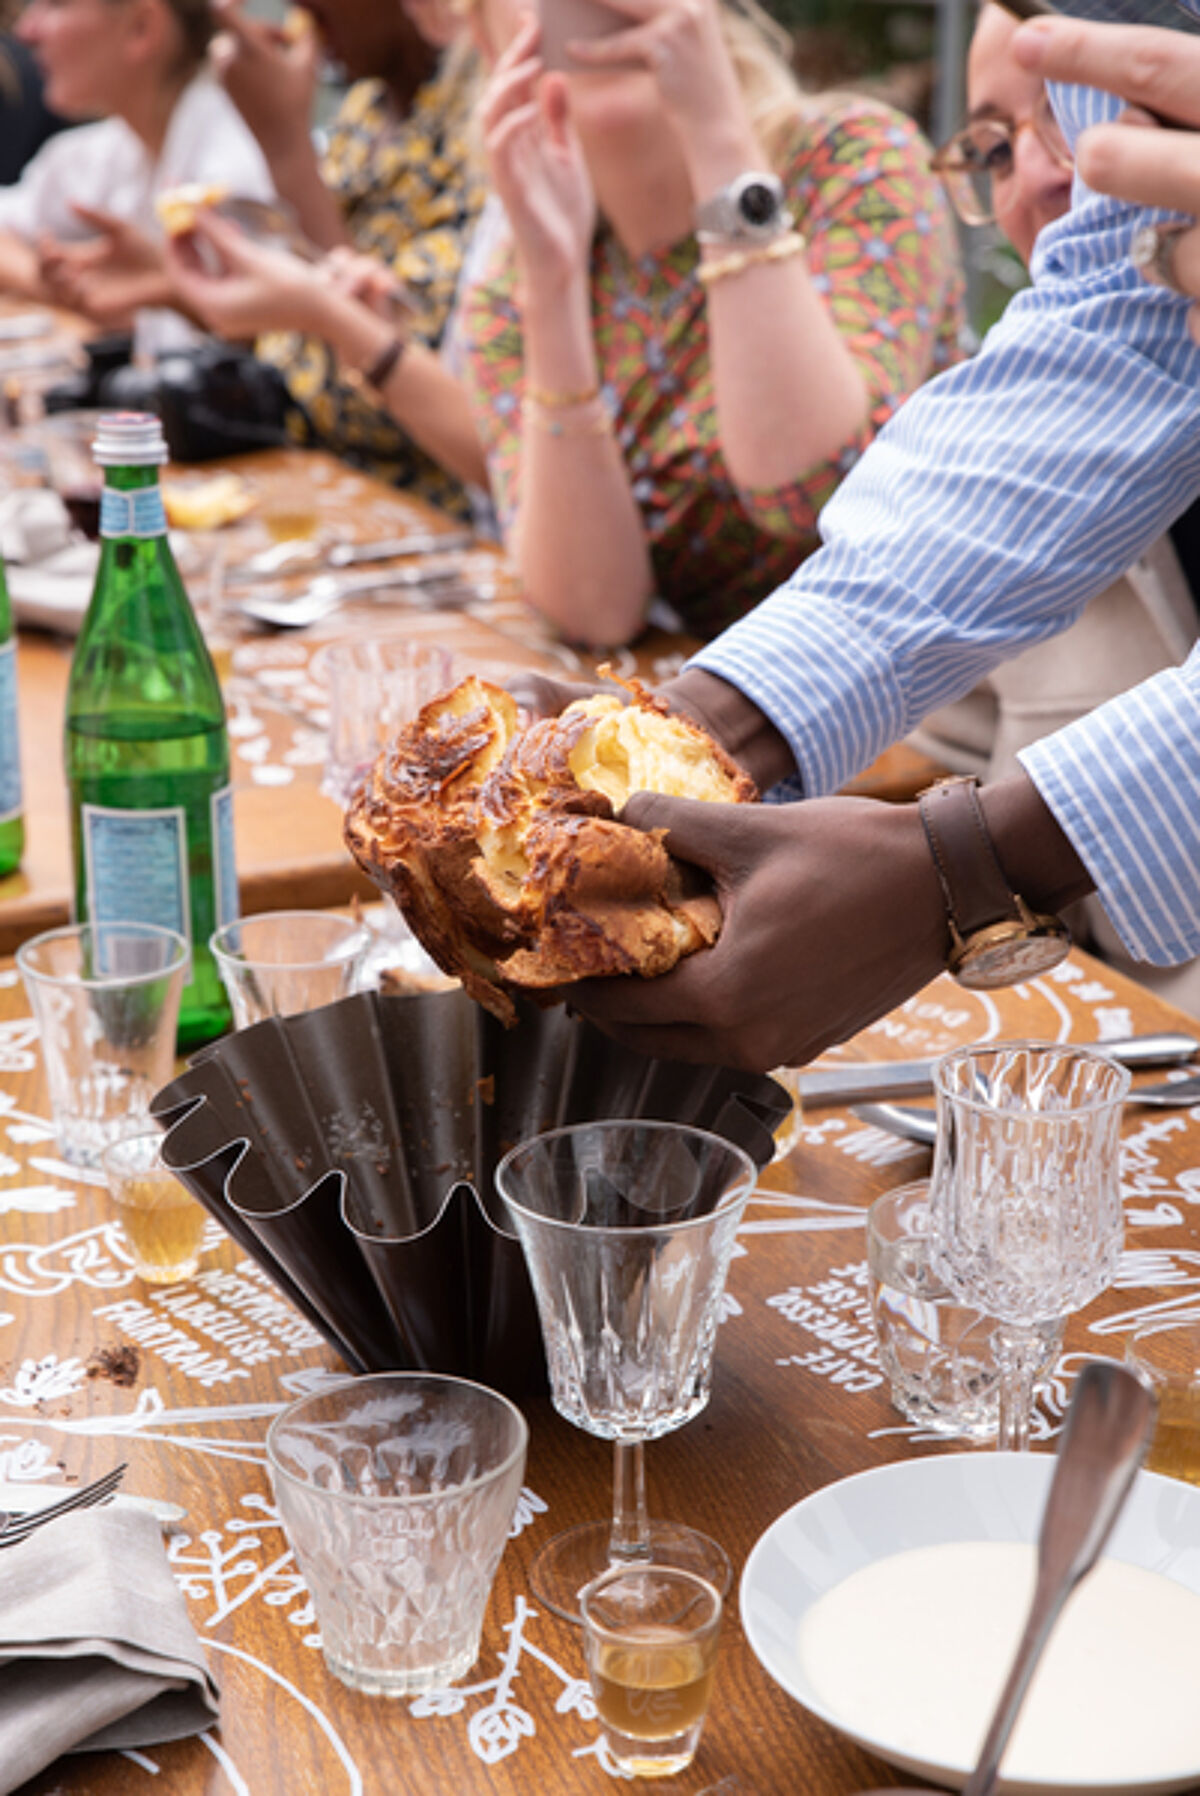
375	686
162	1222
106	1000
397	1492
1025	1202
650	1637
1166	1354
628	1229
281	962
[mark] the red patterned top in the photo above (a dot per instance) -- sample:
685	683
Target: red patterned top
880	248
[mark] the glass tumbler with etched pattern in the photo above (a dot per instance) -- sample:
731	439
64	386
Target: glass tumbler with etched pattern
397	1492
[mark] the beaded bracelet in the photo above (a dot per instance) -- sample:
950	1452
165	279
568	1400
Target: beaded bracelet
592	421
555	401
375	378
778	250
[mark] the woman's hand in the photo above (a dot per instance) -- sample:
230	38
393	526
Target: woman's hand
680	43
239	288
1133	160
270	74
107	276
536	164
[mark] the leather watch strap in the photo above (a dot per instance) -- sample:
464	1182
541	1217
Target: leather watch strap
974	885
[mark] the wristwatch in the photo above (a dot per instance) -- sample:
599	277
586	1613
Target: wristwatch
995	939
748	210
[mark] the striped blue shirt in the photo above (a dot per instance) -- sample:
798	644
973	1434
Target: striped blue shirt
999	500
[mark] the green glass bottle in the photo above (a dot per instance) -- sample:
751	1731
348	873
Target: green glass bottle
12	819
147	748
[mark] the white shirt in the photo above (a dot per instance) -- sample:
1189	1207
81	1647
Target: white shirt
108	167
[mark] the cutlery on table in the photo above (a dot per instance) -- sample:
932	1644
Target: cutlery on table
20	1498
914	1123
322	596
1107	1432
870	1080
16	1526
305	549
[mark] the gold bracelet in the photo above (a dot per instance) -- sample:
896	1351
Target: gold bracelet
778	250
562	401
592	422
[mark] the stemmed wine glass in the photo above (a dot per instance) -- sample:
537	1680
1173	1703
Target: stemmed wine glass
628	1229
1025	1201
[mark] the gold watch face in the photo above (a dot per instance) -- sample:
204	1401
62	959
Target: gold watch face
1010	952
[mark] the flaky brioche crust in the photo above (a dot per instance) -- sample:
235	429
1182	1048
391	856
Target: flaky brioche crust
501	848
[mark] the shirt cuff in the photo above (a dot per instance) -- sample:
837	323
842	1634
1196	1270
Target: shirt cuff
1124	786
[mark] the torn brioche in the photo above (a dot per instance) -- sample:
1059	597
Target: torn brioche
501	845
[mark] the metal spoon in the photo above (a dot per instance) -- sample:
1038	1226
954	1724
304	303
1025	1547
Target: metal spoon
1107	1432
912	1122
327	592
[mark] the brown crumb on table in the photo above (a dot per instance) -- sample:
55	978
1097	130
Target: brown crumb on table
487	1089
120	1364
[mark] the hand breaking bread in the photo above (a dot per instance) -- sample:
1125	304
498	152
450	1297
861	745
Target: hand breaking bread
501	847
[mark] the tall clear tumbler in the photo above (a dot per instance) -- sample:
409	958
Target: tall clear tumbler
1026	1222
628	1229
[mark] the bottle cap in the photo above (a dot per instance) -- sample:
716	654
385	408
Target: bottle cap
129	440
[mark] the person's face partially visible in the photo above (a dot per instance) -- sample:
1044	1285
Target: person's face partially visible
1035	189
78	46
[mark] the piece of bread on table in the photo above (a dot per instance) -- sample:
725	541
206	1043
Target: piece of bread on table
500	844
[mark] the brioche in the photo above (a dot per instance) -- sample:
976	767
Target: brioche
177	206
500	844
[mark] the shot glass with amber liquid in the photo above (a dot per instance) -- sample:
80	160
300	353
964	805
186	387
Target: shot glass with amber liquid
1166	1354
650	1639
162	1223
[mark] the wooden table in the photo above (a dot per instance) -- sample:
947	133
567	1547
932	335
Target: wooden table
798	1400
289	842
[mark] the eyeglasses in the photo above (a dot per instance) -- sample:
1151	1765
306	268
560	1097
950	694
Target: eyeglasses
983	156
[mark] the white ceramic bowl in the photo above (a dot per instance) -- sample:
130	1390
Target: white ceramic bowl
857	1521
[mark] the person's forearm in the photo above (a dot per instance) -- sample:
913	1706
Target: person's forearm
420	393
296	173
738	725
1039	860
789	394
19	272
579	542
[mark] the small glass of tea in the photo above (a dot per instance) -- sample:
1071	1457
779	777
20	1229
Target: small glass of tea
1166	1353
650	1641
163	1225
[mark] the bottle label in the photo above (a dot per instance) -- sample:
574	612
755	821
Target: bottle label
10	747
224	864
140	513
136	867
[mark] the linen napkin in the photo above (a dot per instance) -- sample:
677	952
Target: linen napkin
96	1648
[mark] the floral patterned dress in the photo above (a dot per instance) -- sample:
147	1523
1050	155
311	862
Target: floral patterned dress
881	250
410	190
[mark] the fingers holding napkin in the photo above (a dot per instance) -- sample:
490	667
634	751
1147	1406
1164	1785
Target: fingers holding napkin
96	1648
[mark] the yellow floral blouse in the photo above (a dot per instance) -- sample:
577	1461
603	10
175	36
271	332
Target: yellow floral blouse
410	190
880	248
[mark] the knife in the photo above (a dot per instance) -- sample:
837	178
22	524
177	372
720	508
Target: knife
281	555
872	1080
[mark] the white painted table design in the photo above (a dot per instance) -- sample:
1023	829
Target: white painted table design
798	1400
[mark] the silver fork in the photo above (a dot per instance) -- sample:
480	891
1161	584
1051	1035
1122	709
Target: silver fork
17	1527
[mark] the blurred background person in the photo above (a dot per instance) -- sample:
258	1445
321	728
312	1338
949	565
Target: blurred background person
25	119
665	417
400	183
79	227
1011	165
